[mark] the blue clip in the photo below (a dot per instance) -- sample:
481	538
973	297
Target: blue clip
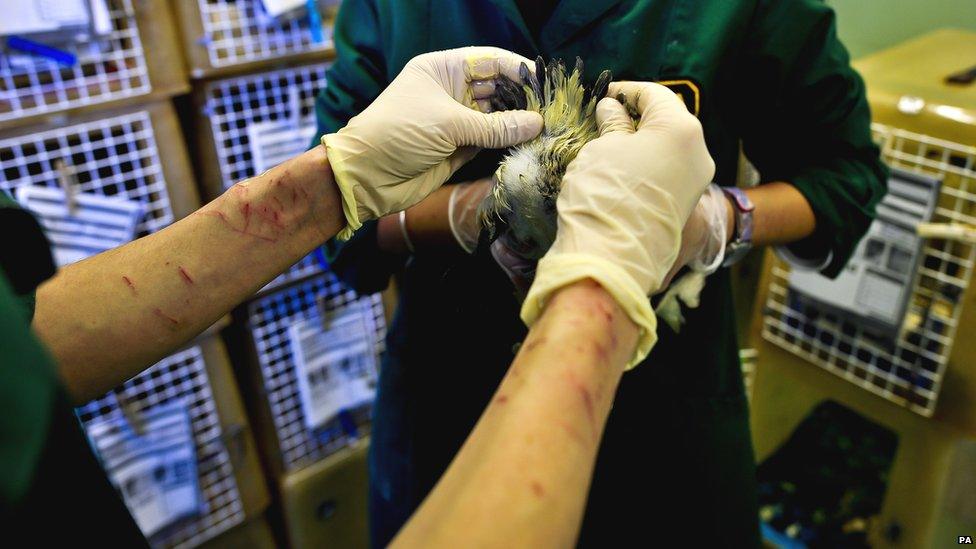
314	21
320	257
348	424
36	48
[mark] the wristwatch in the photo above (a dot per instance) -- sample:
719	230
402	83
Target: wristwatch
742	243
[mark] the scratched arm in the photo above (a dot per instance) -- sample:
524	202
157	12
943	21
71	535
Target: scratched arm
108	317
522	477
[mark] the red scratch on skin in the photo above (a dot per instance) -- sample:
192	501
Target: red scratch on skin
158	312
243	231
587	399
246	212
269	216
215	213
537	488
278	202
185	275
601	350
294	195
128	282
534	343
265	238
575	434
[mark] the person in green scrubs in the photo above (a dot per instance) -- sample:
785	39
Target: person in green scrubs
676	461
38	429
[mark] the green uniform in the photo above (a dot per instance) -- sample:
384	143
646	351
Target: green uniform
676	461
51	486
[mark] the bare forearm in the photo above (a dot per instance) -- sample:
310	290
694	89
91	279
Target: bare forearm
110	316
782	214
426	224
522	476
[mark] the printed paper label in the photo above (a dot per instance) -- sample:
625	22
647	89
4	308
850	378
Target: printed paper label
156	471
335	362
88	225
274	142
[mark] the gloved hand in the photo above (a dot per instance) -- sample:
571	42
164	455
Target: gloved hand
421	129
465	222
704	235
462	212
702	250
623	203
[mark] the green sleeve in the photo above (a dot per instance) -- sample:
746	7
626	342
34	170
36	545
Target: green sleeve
805	119
359	73
355	79
27	388
28	378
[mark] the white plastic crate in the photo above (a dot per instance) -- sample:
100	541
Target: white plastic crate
240	31
182	378
236	106
269	319
109	68
910	371
114	156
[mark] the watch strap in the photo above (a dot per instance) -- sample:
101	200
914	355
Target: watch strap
742	242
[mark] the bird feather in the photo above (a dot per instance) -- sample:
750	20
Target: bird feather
522	204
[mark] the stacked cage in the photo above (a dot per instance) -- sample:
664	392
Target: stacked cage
308	345
132	62
910	371
118	155
908	383
231	36
97	131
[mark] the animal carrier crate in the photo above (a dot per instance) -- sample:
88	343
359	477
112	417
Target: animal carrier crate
325	504
137	57
304	336
909	369
175	442
923	371
133	158
255	122
222	36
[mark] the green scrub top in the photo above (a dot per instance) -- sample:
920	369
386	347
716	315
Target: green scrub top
676	460
51	486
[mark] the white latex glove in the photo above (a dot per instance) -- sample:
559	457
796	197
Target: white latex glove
704	235
702	251
421	129
462	212
623	203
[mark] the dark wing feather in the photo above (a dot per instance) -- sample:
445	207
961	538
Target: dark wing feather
602	85
540	75
509	95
